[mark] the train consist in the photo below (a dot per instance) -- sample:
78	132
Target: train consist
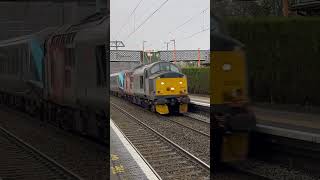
159	86
229	99
60	74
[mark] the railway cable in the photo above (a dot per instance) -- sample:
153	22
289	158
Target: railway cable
146	19
189	20
186	22
124	24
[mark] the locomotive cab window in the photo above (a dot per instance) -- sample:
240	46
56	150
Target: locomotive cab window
155	69
164	67
174	68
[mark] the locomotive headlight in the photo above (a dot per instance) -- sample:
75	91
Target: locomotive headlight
226	67
162	83
172	89
180	82
237	93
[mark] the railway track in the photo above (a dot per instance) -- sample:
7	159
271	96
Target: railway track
20	160
197	117
170	160
190	118
189	123
81	155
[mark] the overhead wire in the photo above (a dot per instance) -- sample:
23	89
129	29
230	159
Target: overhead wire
191	18
124	24
146	19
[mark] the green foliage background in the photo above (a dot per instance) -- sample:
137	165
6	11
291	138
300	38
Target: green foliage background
283	57
198	79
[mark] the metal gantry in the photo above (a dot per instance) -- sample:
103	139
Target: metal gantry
116	44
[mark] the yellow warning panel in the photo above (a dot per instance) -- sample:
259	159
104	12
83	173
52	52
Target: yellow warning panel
117	169
183	108
162	109
235	147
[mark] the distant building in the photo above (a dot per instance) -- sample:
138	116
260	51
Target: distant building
254	8
305	7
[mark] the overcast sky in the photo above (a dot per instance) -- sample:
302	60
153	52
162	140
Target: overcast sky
156	31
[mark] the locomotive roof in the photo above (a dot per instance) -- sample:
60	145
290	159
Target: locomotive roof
26	38
140	69
92	28
223	42
163	73
114	74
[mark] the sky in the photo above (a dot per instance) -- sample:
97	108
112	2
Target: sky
164	25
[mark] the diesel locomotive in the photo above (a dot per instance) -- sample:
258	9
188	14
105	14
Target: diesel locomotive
159	86
60	75
229	102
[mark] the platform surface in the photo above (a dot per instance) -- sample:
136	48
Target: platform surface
295	125
125	161
200	100
304	120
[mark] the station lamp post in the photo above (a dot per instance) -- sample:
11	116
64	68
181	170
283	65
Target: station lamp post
167	49
174	50
285	9
143	50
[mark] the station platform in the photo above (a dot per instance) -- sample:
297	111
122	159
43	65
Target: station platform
125	162
301	126
200	100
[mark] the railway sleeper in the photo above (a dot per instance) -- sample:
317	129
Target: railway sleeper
168	155
178	170
155	151
150	145
173	158
151	148
160	154
170	164
132	136
143	142
139	139
188	175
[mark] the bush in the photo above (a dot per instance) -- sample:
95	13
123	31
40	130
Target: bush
198	79
283	57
